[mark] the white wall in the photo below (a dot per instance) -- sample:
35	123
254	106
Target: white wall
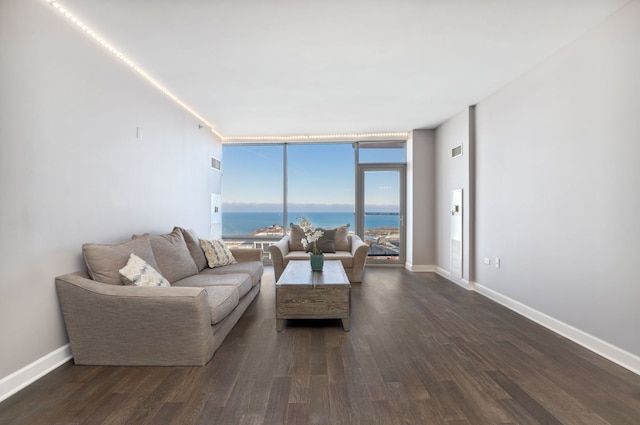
454	173
72	170
420	205
558	185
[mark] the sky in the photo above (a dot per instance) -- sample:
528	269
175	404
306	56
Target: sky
320	177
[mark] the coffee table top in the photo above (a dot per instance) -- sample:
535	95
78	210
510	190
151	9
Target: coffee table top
298	273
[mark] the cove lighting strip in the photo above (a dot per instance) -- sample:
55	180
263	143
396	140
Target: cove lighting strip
356	136
129	63
359	136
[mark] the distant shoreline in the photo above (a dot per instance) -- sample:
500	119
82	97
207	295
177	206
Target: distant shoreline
267	224
276	230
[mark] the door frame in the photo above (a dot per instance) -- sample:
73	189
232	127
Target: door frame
361	169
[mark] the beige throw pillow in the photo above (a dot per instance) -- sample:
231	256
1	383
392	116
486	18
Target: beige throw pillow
138	272
193	243
104	261
217	253
172	256
342	242
295	238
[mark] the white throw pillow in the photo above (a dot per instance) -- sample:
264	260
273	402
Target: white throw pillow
138	272
217	253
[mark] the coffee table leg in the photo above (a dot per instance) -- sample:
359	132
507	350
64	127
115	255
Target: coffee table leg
346	325
279	324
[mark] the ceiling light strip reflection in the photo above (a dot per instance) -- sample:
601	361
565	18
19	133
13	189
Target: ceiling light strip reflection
359	136
129	63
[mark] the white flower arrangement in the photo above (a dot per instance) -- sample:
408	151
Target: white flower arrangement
309	242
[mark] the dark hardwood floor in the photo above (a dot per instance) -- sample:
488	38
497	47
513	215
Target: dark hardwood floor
421	351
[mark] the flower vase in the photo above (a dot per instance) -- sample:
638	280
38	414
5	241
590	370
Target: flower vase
317	261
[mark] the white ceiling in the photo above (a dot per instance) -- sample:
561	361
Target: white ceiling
284	67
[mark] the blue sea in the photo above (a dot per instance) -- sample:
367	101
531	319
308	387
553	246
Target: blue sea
245	223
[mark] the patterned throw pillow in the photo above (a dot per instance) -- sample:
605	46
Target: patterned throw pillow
217	253
138	272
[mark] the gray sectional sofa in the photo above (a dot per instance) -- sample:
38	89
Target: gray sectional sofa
109	323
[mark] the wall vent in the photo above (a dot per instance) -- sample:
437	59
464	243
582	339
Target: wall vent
216	164
457	151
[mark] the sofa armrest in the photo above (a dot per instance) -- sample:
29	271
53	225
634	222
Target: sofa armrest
246	254
360	251
131	325
278	251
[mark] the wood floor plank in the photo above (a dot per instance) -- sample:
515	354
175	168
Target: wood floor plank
297	413
528	403
319	406
99	412
276	413
191	408
421	350
211	413
383	413
299	391
546	386
339	398
149	379
356	385
318	357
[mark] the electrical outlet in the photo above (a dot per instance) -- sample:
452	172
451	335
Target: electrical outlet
497	263
487	260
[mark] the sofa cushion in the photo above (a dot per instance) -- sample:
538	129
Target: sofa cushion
193	243
342	241
327	242
217	253
345	257
295	237
138	272
252	268
104	261
240	281
222	300
172	256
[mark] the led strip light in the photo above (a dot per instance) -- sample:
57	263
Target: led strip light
129	62
359	136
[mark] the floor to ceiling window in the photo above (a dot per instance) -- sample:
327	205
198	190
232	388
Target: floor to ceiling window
267	187
252	194
321	184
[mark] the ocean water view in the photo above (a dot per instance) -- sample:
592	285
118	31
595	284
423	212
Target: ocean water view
246	223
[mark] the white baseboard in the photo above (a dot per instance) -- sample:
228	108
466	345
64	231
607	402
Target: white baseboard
615	354
460	282
34	371
419	268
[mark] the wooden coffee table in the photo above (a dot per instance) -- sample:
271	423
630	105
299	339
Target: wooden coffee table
305	294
